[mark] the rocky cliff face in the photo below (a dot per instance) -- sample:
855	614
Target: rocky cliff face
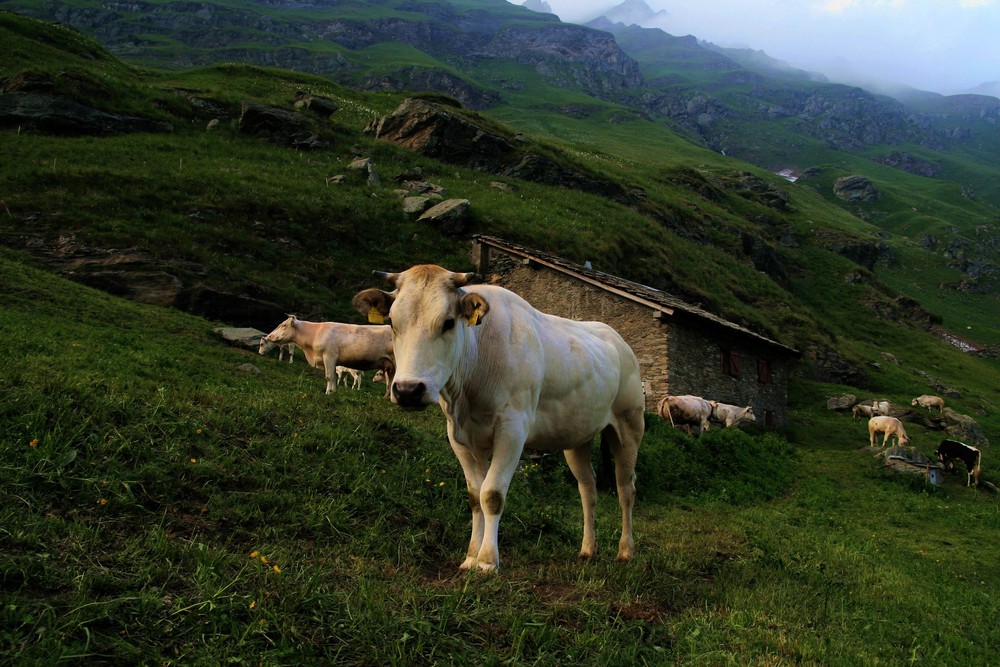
567	55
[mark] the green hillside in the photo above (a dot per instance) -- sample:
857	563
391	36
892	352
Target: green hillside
171	499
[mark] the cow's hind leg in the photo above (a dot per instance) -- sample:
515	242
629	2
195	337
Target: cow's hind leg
624	437
579	463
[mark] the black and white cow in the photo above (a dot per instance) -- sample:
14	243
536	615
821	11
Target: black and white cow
950	451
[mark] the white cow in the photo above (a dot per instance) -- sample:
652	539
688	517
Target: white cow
266	346
507	377
686	410
731	415
889	426
343	372
361	347
928	401
881	408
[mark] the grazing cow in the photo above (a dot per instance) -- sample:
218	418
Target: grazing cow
343	372
731	415
860	410
881	408
950	451
266	346
928	401
360	347
686	410
889	426
507	377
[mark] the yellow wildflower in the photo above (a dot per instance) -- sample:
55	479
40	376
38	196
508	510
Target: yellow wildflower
194	460
103	501
277	569
263	559
253	603
441	484
198	430
254	554
33	443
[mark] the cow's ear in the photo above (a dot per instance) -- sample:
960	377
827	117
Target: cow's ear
473	307
374	304
463	279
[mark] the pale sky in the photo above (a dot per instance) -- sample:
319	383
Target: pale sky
944	46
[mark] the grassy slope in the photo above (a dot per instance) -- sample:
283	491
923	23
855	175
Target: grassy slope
145	476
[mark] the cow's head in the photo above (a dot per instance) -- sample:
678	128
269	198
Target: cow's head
282	333
748	414
429	312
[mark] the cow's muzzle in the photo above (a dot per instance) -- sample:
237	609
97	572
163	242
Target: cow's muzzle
410	394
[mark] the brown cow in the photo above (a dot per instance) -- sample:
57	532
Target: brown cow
687	410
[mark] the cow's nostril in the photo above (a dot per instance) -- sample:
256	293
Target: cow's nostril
409	393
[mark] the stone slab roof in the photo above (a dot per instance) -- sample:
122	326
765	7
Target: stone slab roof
667	304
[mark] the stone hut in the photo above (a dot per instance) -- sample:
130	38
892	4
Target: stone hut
681	348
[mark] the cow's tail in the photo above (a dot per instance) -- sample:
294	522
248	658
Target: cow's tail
665	402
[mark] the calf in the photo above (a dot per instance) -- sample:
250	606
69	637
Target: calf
361	347
687	410
928	401
890	427
343	372
950	451
731	415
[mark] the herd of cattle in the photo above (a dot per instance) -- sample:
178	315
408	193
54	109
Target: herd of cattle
948	452
506	376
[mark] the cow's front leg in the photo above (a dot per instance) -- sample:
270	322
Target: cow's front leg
475	472
330	371
507	446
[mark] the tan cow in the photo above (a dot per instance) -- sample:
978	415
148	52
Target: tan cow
507	377
361	347
889	426
731	415
686	410
928	401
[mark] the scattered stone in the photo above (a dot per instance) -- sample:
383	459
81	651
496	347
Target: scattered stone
240	336
248	368
450	216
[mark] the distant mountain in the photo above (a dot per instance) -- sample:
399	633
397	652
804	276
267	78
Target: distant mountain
991	88
637	12
537	6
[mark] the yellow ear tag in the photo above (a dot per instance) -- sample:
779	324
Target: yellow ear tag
375	317
474	318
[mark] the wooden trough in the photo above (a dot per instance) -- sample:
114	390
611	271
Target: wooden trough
908	461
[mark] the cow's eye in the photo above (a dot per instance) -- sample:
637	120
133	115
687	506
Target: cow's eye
449	324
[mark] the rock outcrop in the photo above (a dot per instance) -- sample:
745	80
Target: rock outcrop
855	188
53	114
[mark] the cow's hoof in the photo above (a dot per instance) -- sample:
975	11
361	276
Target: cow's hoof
468	564
586	555
488	567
